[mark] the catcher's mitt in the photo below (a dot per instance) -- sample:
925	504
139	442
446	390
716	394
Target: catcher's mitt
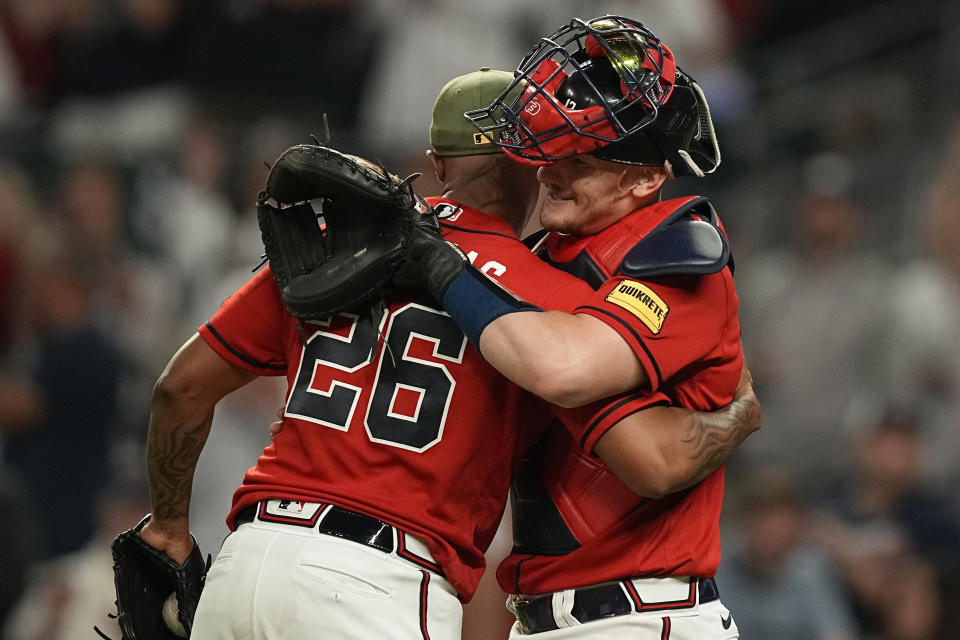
334	229
145	577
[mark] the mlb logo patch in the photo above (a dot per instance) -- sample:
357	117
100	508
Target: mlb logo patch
479	138
290	510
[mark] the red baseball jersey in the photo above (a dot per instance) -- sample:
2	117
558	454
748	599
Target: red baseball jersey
575	522
397	417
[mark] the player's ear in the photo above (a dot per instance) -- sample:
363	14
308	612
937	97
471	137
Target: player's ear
438	165
642	182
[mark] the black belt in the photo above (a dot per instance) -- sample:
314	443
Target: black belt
342	523
535	613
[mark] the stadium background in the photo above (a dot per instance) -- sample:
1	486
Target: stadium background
133	136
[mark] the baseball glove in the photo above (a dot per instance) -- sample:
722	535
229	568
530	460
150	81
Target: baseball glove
145	577
334	229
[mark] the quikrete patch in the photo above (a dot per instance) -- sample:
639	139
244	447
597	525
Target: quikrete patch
642	302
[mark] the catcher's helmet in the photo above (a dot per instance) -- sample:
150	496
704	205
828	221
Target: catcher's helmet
607	87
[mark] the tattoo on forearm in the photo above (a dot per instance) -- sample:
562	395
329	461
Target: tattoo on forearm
713	437
171	459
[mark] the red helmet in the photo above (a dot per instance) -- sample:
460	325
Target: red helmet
608	87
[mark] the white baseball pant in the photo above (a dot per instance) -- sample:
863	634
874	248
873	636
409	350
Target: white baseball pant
274	581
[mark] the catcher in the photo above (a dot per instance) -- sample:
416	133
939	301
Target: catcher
369	513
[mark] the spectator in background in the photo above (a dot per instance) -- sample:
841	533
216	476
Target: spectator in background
19	402
923	346
185	220
780	586
135	300
282	57
120	85
896	543
31	32
812	314
19	216
70	369
143	44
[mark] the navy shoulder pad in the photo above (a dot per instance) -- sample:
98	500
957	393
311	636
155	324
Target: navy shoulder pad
681	245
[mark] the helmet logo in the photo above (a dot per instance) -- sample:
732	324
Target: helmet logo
570	103
533	108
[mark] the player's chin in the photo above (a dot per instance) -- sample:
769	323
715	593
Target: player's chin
558	214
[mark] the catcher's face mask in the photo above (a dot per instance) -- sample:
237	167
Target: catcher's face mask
597	82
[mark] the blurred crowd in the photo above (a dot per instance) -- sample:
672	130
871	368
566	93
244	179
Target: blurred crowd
134	136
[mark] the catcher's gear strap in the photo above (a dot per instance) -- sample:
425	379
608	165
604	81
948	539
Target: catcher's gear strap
473	300
688	242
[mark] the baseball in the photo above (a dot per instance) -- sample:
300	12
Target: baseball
170	612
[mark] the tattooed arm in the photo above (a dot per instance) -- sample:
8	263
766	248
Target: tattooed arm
181	411
663	449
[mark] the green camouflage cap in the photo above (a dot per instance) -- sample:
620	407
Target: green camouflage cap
452	134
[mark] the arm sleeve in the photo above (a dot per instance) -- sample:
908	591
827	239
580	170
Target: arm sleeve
670	324
249	329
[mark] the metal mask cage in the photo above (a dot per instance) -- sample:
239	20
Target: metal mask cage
643	66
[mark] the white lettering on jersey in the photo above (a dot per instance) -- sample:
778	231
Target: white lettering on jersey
491	268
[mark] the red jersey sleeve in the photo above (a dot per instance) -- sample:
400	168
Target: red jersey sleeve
588	423
544	286
248	330
670	323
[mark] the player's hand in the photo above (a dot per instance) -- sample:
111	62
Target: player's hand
276	427
746	405
175	541
431	262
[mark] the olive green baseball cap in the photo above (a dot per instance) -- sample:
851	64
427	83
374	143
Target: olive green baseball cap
451	133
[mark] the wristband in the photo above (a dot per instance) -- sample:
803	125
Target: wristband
473	301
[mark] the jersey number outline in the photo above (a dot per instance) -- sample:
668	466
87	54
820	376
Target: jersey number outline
397	371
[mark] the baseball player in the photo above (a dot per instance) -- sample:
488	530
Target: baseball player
370	511
608	117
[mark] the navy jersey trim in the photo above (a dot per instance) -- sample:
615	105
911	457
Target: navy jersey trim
229	347
613	407
479	231
653	361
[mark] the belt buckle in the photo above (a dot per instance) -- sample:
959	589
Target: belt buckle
516	605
